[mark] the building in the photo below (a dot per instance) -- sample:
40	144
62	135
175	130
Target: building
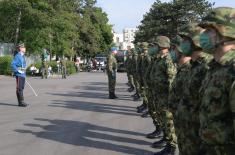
129	34
125	39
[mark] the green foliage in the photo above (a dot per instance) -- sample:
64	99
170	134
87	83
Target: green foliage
166	18
70	67
74	27
5	65
69	64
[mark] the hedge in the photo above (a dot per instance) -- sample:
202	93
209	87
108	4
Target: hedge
69	64
5	65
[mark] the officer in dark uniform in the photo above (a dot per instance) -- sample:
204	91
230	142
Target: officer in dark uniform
19	68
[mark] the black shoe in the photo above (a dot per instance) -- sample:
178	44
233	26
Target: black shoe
23	105
159	144
141	109
111	95
131	89
134	95
145	114
168	150
154	134
137	97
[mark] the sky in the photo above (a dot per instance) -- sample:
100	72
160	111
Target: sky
128	13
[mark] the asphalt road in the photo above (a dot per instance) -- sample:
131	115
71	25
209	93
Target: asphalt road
72	117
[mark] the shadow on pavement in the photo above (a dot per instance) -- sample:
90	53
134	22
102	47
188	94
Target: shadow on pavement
88	135
94	95
95	107
6	104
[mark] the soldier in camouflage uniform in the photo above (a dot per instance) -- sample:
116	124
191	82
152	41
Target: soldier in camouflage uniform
142	63
111	72
44	57
184	108
217	93
162	75
153	51
136	54
129	70
134	71
63	68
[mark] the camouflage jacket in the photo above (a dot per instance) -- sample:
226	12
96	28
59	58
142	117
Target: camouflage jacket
189	102
217	108
134	64
162	75
111	63
176	92
146	60
128	62
148	82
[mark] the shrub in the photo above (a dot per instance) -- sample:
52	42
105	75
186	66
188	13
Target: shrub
70	67
5	65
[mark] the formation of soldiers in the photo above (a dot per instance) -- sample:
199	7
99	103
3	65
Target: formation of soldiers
187	85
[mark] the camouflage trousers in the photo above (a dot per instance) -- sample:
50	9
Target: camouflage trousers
166	121
44	69
63	72
130	79
111	82
136	83
152	109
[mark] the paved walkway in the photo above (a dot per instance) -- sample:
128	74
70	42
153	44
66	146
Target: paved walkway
72	117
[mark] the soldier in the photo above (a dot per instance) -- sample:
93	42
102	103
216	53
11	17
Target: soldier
111	72
19	68
136	54
63	68
128	68
44	57
189	104
153	52
162	75
217	92
142	63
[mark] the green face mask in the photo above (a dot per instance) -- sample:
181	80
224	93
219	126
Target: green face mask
152	51
186	48
174	56
206	43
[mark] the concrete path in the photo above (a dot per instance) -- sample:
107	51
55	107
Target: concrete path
72	117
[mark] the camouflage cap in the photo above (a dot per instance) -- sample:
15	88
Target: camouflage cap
222	19
144	45
163	41
192	31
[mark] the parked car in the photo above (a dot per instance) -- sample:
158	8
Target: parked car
121	58
101	62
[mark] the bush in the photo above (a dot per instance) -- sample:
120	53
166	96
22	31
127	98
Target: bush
5	65
69	64
70	67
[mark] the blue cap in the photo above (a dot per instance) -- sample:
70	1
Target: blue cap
113	49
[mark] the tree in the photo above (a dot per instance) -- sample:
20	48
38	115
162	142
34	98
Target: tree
167	18
65	27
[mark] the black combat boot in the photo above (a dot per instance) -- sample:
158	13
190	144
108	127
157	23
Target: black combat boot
154	134
137	98
131	89
168	150
141	108
160	144
111	95
145	114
